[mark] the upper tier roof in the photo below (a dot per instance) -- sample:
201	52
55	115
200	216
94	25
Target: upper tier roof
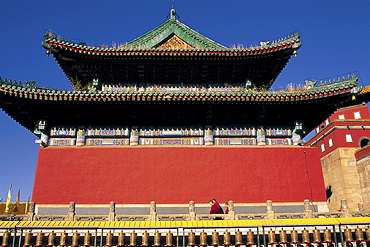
171	53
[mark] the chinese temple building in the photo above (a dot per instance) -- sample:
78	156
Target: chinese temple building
173	116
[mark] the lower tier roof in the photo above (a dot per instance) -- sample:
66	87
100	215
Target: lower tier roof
27	105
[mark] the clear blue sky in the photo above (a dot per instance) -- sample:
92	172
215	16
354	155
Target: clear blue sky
335	38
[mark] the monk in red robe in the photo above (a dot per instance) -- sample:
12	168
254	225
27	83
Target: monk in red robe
215	208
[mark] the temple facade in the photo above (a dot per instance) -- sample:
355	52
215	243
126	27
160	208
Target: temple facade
173	116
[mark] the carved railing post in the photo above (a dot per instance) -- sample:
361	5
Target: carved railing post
270	212
71	211
192	214
31	211
231	214
344	208
153	211
112	211
307	209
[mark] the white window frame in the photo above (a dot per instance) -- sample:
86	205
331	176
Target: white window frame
341	116
322	147
330	142
348	138
357	115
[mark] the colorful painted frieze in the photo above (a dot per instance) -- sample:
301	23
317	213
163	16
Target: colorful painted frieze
62	141
171	141
107	141
154	132
278	141
104	131
209	136
235	141
278	132
62	131
251	131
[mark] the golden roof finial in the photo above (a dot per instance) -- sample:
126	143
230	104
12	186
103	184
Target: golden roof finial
173	14
173	11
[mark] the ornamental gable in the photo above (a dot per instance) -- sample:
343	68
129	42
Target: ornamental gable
174	42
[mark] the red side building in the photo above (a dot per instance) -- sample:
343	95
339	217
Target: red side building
344	139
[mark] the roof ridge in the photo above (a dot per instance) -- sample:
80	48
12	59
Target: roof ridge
136	42
173	26
203	39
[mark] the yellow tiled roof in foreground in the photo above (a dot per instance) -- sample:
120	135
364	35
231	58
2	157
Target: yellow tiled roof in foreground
188	224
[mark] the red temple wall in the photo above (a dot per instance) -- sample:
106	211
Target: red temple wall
171	175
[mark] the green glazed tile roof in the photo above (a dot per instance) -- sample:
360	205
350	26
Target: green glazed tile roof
40	93
170	27
28	104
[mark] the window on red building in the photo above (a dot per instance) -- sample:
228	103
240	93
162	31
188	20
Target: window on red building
357	115
330	141
349	138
